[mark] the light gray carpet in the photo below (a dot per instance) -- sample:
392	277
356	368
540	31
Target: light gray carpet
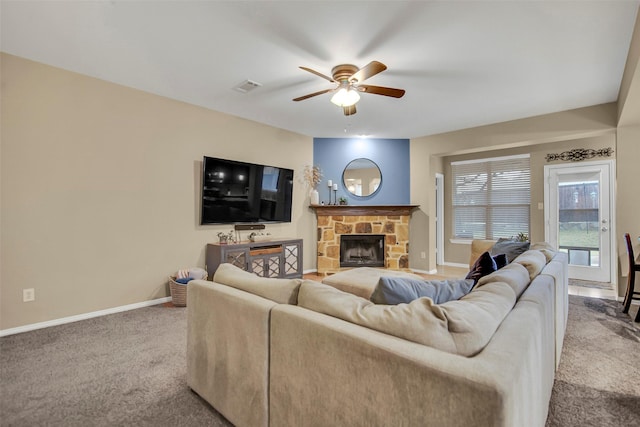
128	369
125	369
598	381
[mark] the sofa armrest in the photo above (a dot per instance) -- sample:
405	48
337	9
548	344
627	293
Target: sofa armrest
228	351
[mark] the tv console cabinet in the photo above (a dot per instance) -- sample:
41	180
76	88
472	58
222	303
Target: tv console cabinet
274	258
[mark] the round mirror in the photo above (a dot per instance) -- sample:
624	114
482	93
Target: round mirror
362	177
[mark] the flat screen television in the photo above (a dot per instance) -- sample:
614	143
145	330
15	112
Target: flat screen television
239	192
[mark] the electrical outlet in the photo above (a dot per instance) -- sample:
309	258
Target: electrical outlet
423	255
28	295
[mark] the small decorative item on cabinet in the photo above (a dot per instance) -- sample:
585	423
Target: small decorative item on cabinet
258	236
226	237
342	200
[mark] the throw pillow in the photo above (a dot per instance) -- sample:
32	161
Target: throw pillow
501	261
392	290
510	248
484	265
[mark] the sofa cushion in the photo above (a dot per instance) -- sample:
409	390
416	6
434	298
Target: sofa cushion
283	291
511	248
397	290
533	260
362	281
547	250
484	265
463	326
515	275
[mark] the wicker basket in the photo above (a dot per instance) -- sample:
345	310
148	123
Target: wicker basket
178	292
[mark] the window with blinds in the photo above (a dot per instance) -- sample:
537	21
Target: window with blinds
491	197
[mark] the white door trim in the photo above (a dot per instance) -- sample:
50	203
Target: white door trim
439	219
613	251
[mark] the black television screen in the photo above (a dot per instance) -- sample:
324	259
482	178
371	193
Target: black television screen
238	192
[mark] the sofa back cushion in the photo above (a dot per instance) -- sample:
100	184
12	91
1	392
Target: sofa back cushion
463	326
515	275
533	260
544	247
283	291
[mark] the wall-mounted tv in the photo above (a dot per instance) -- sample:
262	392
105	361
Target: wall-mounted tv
239	192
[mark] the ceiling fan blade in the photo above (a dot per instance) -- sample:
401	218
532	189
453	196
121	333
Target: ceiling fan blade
369	70
317	73
349	111
302	98
381	90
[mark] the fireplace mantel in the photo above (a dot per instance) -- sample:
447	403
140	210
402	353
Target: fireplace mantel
356	210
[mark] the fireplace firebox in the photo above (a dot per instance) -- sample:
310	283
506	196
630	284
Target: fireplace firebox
362	250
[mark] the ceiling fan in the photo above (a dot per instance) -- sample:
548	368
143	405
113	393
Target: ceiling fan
349	80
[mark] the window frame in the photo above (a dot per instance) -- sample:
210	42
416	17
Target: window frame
483	199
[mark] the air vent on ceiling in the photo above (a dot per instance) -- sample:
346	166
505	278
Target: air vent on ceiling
247	86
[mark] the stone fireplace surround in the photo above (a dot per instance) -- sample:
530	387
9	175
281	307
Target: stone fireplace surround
392	221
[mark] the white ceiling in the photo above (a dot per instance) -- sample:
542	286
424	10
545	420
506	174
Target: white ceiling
463	64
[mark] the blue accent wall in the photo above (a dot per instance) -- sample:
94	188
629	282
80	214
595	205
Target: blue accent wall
332	155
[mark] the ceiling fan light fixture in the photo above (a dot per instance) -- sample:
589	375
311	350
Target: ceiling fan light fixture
345	97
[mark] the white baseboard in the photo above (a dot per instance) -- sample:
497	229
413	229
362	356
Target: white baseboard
456	264
415	270
85	316
312	270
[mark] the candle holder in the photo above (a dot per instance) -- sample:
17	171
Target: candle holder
335	196
330	185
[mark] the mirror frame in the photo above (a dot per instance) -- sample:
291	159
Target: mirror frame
344	178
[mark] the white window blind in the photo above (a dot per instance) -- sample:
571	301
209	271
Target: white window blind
491	197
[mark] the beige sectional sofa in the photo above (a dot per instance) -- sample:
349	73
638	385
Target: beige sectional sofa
300	353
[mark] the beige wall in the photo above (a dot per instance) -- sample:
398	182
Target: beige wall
459	253
628	170
547	132
592	127
100	189
629	95
627	200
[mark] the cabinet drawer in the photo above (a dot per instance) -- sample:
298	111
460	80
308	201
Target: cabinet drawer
266	251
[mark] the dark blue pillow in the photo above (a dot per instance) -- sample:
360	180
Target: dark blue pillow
392	290
485	264
501	260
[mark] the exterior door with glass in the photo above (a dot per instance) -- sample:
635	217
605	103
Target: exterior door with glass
578	213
